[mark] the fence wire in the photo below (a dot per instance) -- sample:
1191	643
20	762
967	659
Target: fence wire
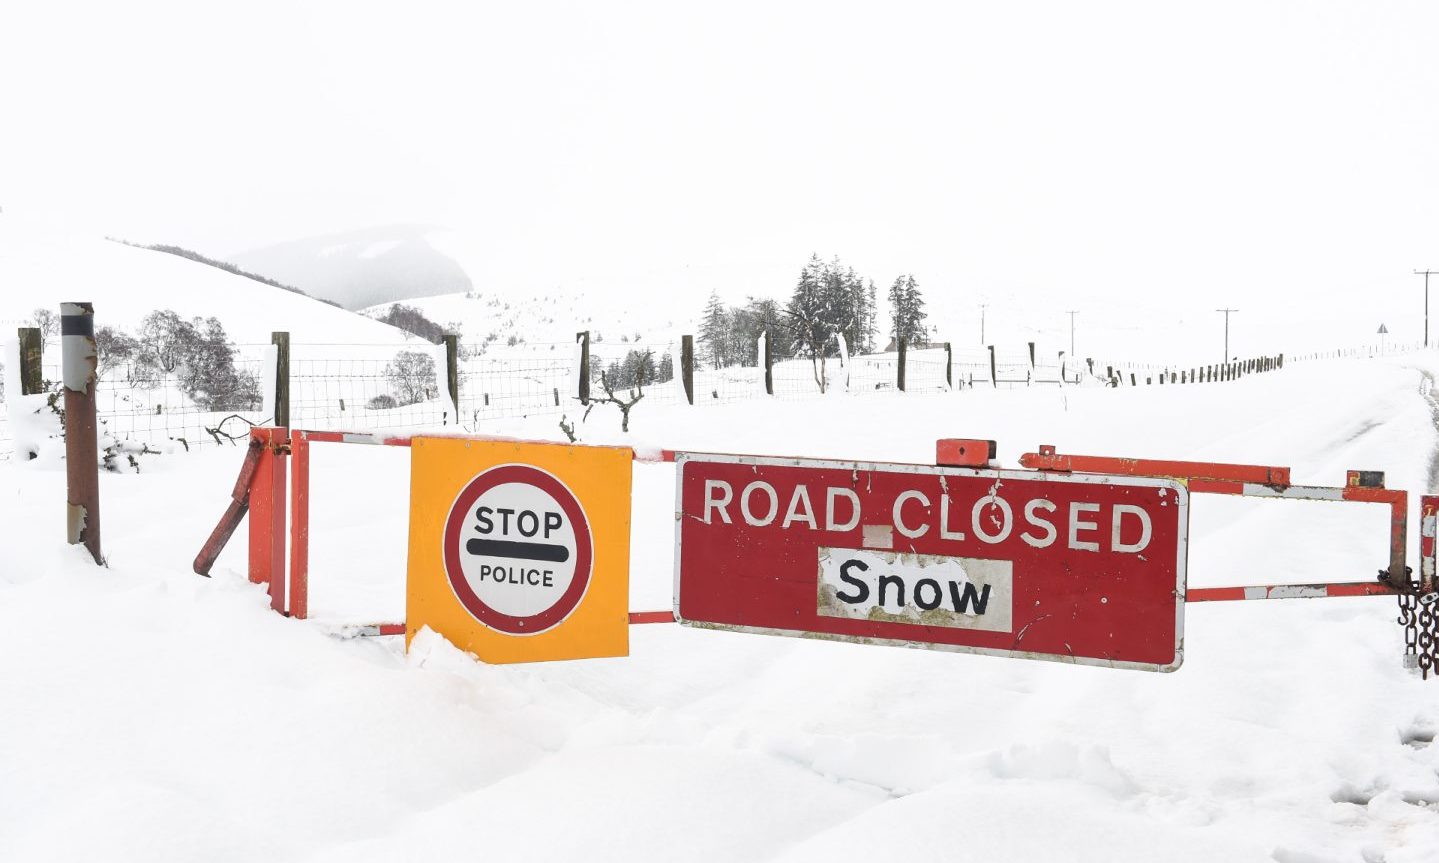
499	387
364	387
404	390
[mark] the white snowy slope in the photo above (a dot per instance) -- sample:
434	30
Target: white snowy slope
537	321
364	267
149	714
42	267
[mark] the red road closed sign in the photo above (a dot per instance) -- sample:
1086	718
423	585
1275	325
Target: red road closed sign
1068	567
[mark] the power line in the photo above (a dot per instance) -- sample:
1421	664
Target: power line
1227	313
1426	274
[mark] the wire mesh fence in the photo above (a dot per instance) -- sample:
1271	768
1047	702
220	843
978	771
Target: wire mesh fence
402	390
496	387
164	411
926	371
405	386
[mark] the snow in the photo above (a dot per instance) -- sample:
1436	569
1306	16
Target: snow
153	715
374	250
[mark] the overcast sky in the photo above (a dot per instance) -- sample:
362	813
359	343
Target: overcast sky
1280	157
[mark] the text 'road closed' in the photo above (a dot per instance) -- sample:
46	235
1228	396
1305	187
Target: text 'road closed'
990	518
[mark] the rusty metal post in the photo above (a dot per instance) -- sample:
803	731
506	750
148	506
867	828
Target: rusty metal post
82	450
584	384
32	348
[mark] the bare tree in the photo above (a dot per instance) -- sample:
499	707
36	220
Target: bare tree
412	375
112	348
47	322
624	404
166	339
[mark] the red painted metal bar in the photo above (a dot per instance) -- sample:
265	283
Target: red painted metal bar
234	513
377	629
664	455
300	525
1288	591
1248	480
1048	459
651	617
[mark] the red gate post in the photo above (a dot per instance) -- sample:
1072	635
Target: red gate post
1428	510
267	515
300	525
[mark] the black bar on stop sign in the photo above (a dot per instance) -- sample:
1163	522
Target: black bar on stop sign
518	550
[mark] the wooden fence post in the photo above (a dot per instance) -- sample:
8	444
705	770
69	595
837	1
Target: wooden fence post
82	450
899	382
281	341
584	384
452	371
687	366
768	366
32	349
993	375
948	366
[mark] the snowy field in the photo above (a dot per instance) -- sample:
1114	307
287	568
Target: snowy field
148	714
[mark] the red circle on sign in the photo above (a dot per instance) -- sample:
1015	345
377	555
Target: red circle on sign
584	550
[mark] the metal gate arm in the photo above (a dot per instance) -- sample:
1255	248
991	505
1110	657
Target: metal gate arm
234	513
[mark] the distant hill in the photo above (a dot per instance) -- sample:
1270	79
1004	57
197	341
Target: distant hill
182	252
40	267
361	268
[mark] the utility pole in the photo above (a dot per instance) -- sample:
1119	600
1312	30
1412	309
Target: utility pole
1071	314
982	307
1227	313
1426	274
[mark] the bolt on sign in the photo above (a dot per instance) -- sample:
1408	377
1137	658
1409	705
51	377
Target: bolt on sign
519	552
1067	567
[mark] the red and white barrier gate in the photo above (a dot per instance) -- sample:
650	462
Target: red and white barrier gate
279	459
266	488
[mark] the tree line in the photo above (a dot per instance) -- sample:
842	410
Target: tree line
830	302
197	353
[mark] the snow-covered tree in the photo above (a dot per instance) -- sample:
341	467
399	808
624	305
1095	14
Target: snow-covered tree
714	335
906	305
412	377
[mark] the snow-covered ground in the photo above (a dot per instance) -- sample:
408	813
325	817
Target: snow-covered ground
148	714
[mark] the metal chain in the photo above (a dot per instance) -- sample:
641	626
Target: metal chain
1419	616
1408	617
1428	642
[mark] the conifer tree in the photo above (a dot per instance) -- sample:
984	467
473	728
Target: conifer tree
907	310
714	332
